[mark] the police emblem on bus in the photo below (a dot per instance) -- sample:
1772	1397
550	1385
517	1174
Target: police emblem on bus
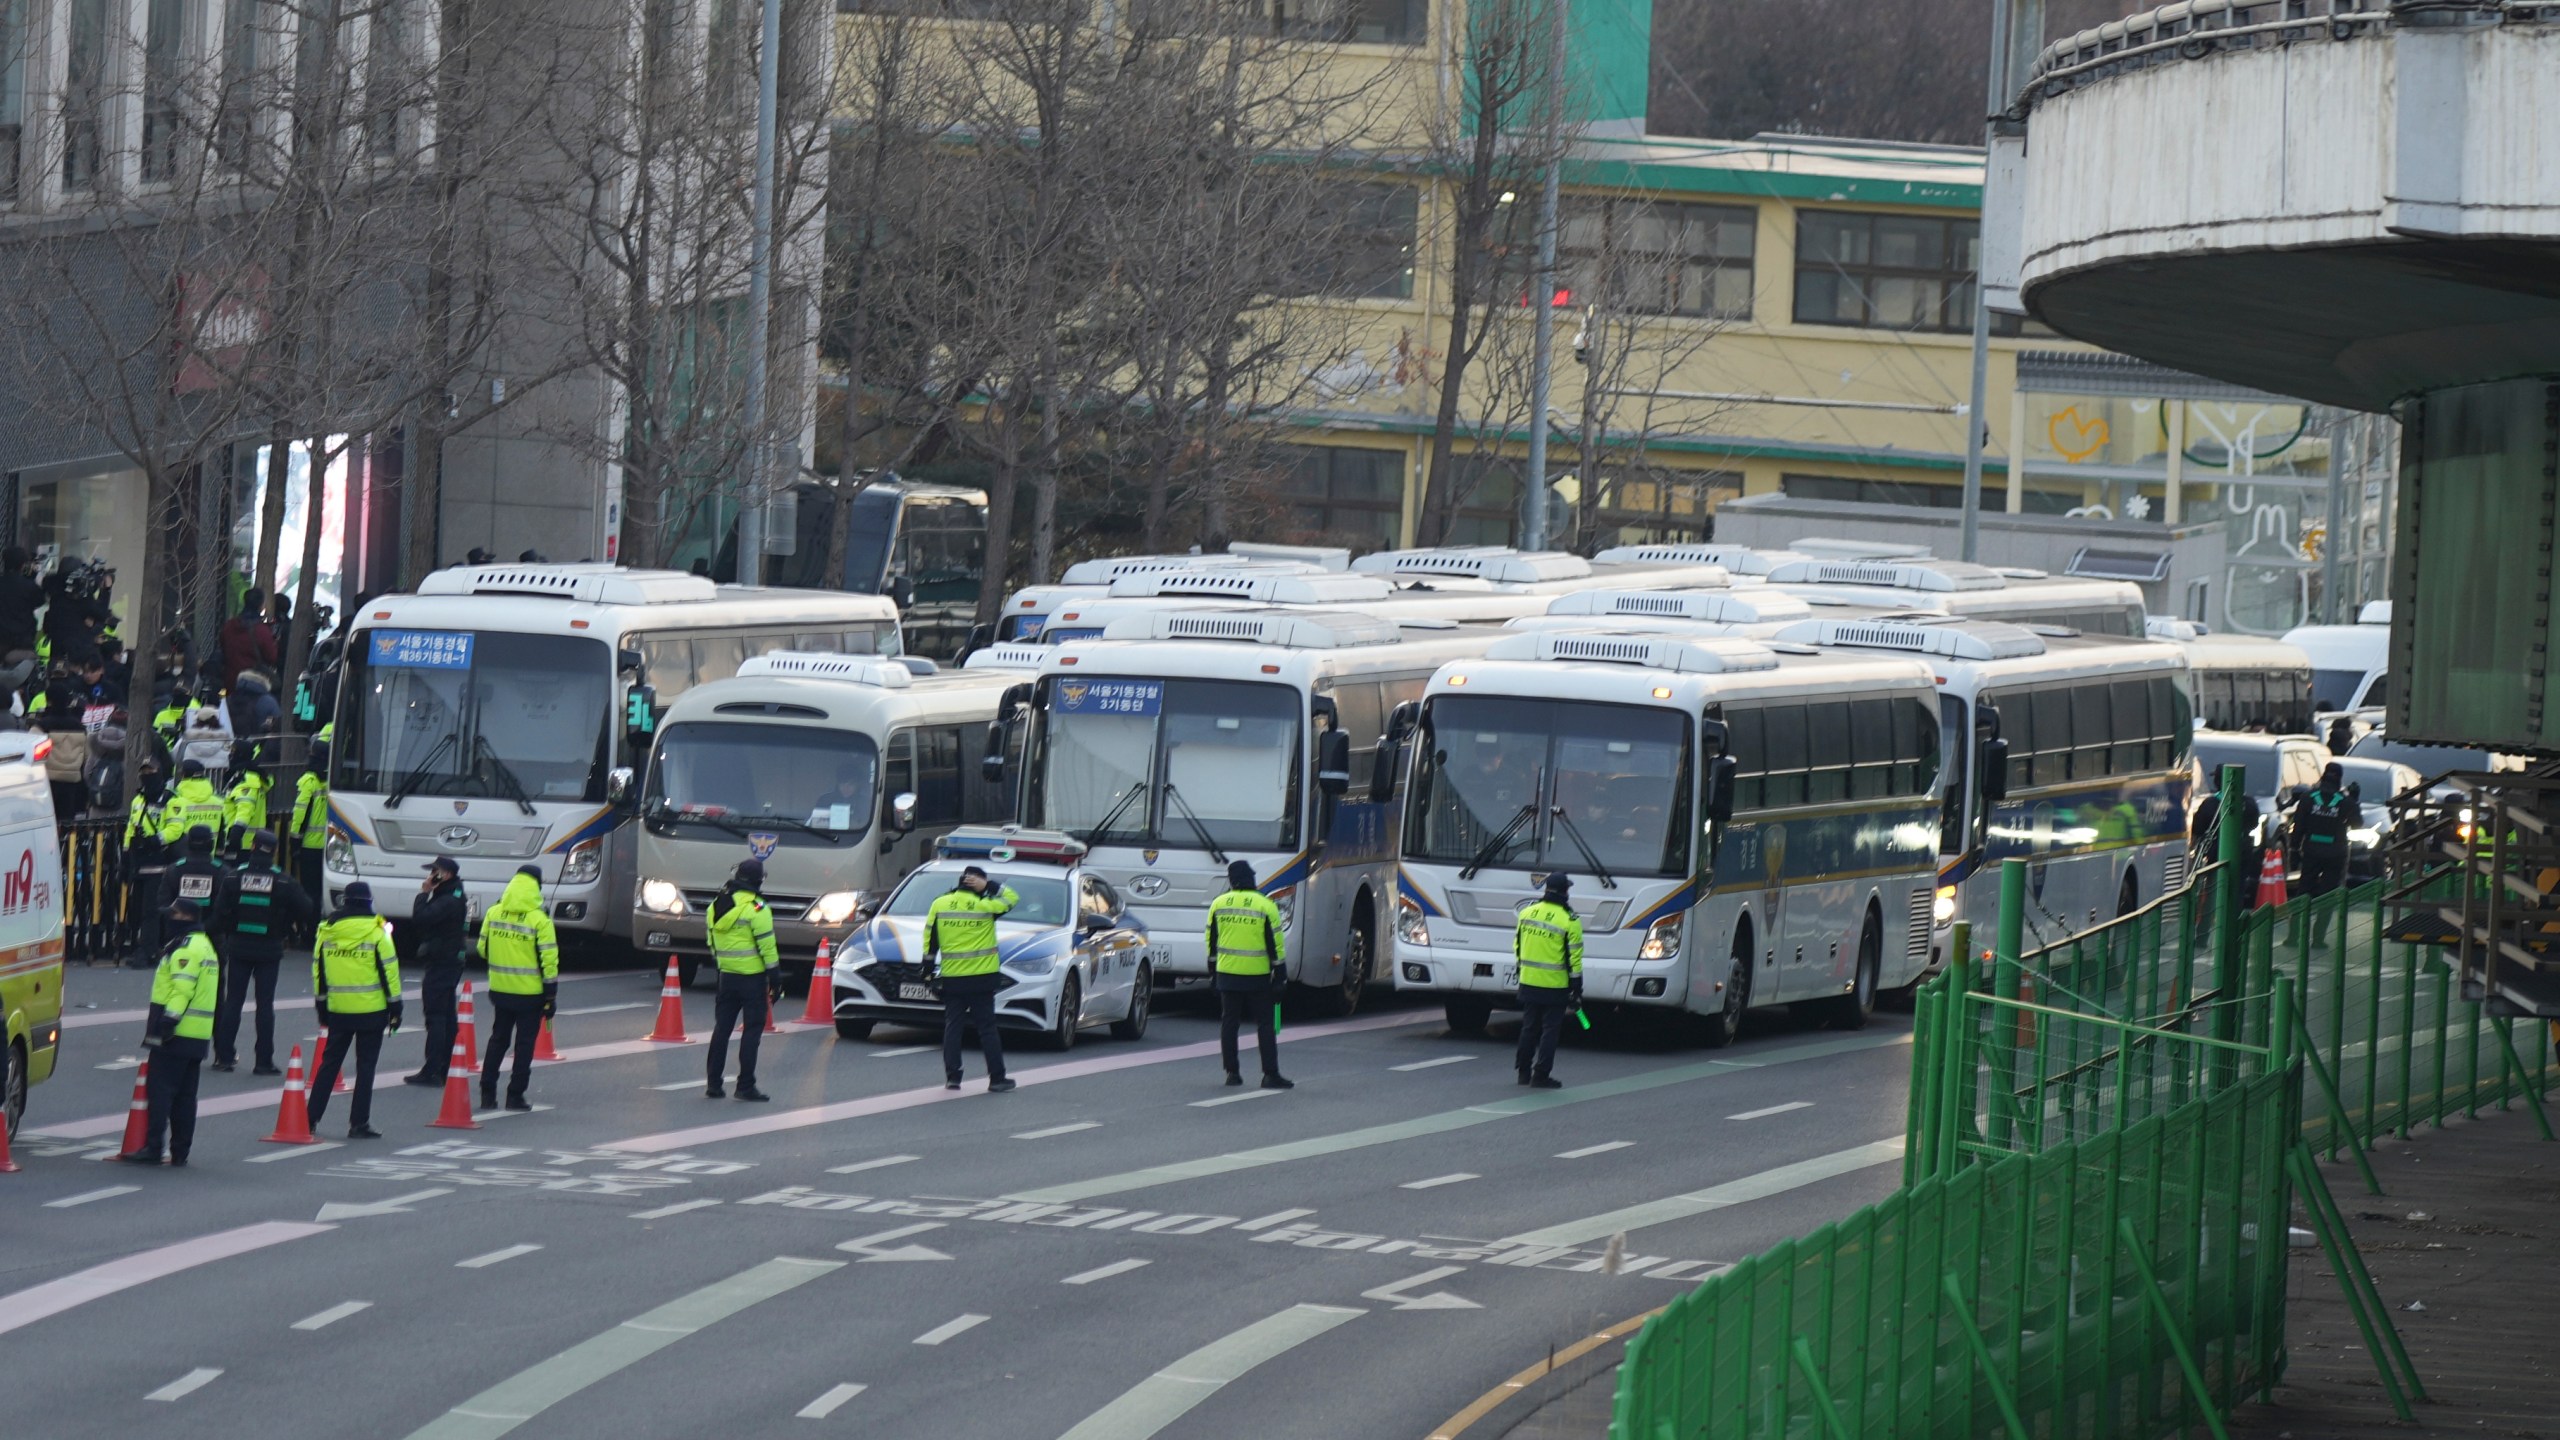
461	807
1148	855
761	844
1072	694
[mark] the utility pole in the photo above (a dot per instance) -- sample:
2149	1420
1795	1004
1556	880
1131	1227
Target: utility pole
1586	351
1533	525
751	505
1996	99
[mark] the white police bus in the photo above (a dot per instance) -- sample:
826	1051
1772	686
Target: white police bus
500	714
1182	740
1745	824
1909	578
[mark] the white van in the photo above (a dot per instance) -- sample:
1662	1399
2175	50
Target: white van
2350	664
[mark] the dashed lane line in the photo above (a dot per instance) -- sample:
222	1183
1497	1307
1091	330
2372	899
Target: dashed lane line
494	1257
1436	1181
957	1325
1588	1151
1764	1114
1148	1407
42	1302
1435	1064
678	1208
520	1397
827	1404
1216	1100
1105	1272
883	1163
1276	1217
185	1385
1775	1181
1068	1129
904	1051
85	1196
287	1153
332	1315
608	1009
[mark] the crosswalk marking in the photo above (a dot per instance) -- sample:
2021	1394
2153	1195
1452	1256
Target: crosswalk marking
825	1405
1105	1272
1433	1064
1436	1181
85	1196
1231	1099
1059	1130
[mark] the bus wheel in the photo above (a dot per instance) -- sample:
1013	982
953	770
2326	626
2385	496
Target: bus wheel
1725	1024
1467	1016
1849	1010
13	1086
1344	998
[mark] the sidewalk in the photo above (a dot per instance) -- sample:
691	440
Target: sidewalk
2484	1262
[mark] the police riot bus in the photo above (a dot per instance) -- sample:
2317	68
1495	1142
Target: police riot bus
500	715
1182	740
1746	824
1907	578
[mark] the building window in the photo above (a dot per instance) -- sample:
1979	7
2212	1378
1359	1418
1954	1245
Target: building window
1888	272
236	128
1661	507
1925	493
1657	259
1344	496
389	69
84	93
1365	22
14	34
163	34
730	55
1367	254
1488	497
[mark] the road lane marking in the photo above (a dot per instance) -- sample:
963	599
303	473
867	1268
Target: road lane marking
1166	1396
483	1262
678	1208
85	1196
501	1114
185	1385
1433	1064
1761	1186
1276	1217
606	1009
41	1302
1436	1181
1059	1130
1446	1121
955	1326
1105	1272
88	1019
123	1062
882	1163
289	1152
1602	1148
332	1315
684	1085
512	1401
826	1405
696	1136
904	1050
1772	1110
1231	1099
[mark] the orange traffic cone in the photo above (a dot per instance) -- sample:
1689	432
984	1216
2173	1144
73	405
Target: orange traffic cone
670	1010
137	1115
543	1049
456	1114
822	987
2271	878
467	1032
293	1112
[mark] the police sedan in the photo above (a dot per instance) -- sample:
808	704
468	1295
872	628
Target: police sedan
1072	956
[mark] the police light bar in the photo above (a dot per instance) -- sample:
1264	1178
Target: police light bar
1005	842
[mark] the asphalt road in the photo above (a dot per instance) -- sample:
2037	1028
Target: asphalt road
1121	1248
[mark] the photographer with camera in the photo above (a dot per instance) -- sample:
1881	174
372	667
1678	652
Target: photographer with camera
20	598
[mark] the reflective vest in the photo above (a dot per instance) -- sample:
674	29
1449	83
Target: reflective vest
142	820
245	803
192	803
188	984
960	929
354	968
518	941
167	722
311	810
1548	944
742	935
1244	932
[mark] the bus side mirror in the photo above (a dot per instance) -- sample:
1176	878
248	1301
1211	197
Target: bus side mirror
1720	778
1995	770
902	592
1389	761
991	763
902	811
617	784
1333	762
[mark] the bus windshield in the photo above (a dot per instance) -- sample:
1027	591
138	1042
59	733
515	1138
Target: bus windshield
814	784
1569	784
474	715
1181	764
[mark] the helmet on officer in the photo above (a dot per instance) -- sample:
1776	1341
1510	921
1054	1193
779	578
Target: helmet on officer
357	898
191	768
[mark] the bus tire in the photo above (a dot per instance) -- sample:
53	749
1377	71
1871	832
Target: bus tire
13	1086
1849	1011
1721	1028
1467	1016
854	1029
1343	998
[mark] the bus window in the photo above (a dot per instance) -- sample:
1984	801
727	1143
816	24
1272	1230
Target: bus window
2135	732
1745	741
1871	744
2051	710
1828	741
717	657
1783	742
2092	731
1915	747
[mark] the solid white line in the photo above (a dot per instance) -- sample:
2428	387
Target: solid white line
290	1151
83	1198
40	1302
332	1315
1430	1064
825	1405
1105	1272
1276	1217
1770	1182
681	1206
1439	1180
882	1163
904	1050
483	1262
1147	1407
1600	1149
1059	1130
184	1385
501	1114
1231	1099
1772	1110
949	1328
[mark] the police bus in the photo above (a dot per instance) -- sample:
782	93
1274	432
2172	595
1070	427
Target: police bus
1746	824
1027	611
1181	740
1907	578
500	714
2246	682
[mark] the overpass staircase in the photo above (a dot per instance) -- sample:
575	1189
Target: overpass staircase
2473	868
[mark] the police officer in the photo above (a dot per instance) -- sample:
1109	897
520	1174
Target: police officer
355	982
192	802
184	993
523	951
440	921
194	873
960	945
741	933
1547	944
309	832
244	805
1244	945
145	860
2321	818
255	907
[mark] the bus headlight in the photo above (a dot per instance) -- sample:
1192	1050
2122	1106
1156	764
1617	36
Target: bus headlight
1942	910
833	908
1662	938
662	897
1410	927
585	863
338	853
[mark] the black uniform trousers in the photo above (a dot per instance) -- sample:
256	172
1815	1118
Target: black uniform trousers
515	1023
1542	1014
243	975
1238	997
437	985
969	1001
142	904
742	997
169	1090
2324	868
306	868
363	1034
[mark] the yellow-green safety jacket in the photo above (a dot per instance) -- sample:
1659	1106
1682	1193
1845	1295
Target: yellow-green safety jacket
354	968
960	930
1244	933
742	935
141	819
310	810
245	803
188	985
1548	944
168	721
518	941
191	802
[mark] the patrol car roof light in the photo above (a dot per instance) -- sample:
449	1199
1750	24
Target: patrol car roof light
1957	640
1006	842
1694	655
1737	559
816	665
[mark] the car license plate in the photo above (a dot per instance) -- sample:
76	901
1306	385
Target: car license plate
916	992
660	937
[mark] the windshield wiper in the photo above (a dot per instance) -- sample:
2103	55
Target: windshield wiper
803	826
409	783
1120	802
507	781
1196	827
1494	846
1588	858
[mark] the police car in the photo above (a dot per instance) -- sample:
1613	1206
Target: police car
1072	956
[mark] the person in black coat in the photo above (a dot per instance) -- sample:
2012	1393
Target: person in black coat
440	918
256	909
